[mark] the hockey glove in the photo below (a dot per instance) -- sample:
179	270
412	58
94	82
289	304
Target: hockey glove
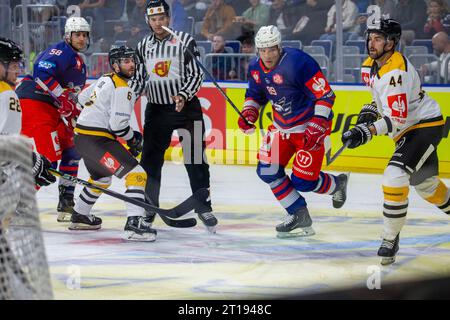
315	133
357	136
135	144
251	114
68	106
368	114
40	171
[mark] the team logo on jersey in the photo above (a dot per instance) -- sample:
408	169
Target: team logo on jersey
55	140
256	76
79	65
162	68
278	78
303	159
399	107
318	85
366	78
109	162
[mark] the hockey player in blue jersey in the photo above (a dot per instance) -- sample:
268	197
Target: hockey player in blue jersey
48	121
302	102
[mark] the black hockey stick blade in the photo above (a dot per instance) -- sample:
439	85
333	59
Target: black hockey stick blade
183	208
182	223
330	159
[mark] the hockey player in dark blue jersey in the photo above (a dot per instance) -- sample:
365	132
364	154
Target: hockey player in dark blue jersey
302	102
49	121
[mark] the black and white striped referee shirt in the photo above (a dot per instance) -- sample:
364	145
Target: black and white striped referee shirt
165	69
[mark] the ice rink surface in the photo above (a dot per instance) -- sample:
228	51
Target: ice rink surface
244	259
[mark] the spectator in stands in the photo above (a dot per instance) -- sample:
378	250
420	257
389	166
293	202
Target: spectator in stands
100	63
136	18
220	66
256	16
436	10
219	21
312	21
283	17
412	16
247	47
101	10
120	32
239	6
349	15
441	46
362	5
179	19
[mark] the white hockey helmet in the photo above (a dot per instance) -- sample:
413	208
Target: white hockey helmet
268	36
76	24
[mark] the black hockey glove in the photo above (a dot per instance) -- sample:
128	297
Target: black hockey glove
40	170
368	114
135	144
357	136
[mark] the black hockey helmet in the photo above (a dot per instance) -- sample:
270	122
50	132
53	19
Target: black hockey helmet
390	28
117	53
9	51
157	7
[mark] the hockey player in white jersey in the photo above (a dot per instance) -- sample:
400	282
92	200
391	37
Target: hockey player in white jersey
402	110
10	111
108	106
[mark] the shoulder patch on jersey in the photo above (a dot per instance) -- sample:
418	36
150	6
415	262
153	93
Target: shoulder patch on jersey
4	87
396	62
118	81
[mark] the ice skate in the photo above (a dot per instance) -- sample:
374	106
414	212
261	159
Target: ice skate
340	195
139	228
65	205
296	225
209	220
84	222
388	251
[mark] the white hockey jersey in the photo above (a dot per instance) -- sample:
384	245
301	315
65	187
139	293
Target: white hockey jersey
10	112
397	92
107	108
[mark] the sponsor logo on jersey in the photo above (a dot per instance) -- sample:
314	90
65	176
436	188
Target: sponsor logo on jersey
303	159
109	162
256	76
162	68
278	78
318	85
400	143
399	107
271	91
46	64
55	140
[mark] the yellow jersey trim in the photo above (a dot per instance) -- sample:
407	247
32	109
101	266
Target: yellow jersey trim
94	133
421	125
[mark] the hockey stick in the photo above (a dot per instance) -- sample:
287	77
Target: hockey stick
330	159
183	208
201	66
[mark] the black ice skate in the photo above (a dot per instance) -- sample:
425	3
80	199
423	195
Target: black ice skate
149	218
296	225
388	250
340	195
209	220
65	205
84	222
139	229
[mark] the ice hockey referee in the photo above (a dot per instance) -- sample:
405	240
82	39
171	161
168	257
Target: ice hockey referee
171	78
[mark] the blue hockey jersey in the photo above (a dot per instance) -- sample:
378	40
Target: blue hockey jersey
296	88
59	67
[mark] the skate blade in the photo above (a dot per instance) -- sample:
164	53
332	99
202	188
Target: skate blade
133	236
211	230
64	217
296	233
82	226
387	261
